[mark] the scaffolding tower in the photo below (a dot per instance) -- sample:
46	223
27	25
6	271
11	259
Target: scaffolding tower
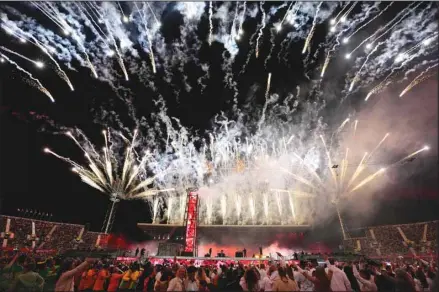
191	223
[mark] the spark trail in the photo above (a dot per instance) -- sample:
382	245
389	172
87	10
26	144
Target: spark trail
33	81
355	79
394	21
210	24
149	40
61	73
373	18
38	64
311	32
418	79
104	173
267	91
261	29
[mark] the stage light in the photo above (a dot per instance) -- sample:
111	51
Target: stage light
332	21
39	64
125	19
426	147
332	29
368	46
348	56
345	40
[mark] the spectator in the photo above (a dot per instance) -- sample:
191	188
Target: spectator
28	280
283	283
352	280
65	277
178	283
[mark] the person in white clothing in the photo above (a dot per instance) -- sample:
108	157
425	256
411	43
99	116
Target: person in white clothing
177	284
339	281
191	284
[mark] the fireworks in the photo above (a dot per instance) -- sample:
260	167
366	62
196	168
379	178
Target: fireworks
259	162
108	174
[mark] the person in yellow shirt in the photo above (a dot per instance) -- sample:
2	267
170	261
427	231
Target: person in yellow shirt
130	277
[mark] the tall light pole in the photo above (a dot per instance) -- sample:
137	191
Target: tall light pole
111	213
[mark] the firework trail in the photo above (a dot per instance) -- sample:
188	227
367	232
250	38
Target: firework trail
210	23
362	66
368	179
329	55
271	49
124	17
261	28
233	33
418	79
267	91
390	28
285	16
153	14
103	171
38	64
334	21
364	25
345	16
45	49
241	21
404	58
355	127
55	16
397	19
149	40
311	32
35	82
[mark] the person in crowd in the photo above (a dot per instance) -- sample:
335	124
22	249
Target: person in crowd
250	281
28	280
162	284
101	279
191	283
148	280
283	282
66	273
201	275
339	281
347	269
320	279
430	278
365	278
88	278
115	278
130	277
177	283
420	275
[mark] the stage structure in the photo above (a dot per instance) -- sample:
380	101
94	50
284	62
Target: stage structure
188	227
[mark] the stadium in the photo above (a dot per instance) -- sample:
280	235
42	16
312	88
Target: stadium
219	146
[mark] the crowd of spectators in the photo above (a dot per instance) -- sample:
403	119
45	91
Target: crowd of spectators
388	241
48	235
21	272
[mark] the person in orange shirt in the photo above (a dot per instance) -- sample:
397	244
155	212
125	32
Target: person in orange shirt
116	276
102	276
89	279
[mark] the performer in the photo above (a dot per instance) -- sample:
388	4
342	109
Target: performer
244	252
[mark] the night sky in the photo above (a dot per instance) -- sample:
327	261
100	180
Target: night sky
31	179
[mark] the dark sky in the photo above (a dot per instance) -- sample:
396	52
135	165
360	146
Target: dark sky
31	179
